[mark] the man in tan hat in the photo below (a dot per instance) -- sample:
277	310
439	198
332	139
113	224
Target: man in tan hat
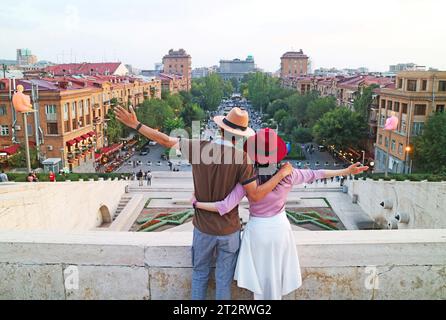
217	168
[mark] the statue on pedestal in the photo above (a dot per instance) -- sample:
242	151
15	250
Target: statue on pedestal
22	102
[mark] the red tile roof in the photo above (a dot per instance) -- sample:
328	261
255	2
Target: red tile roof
84	68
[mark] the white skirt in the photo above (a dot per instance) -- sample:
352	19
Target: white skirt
268	264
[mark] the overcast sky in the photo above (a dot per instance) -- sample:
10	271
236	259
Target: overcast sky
334	33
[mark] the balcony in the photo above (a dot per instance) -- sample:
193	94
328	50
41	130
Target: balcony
97	120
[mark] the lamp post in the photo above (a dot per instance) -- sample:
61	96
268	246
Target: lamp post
407	164
363	157
62	151
28	159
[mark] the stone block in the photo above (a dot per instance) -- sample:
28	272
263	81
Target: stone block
31	282
111	283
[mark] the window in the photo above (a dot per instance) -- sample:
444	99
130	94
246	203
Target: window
380	139
420	110
404	106
417	128
73	110
393	145
30	130
87	107
50	111
400	83
423	85
65	111
442	85
396	107
81	108
411	85
440	108
389	105
403	126
52	128
2	110
383	104
382	120
4	130
400	148
386	142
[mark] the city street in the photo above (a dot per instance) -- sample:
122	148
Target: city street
157	164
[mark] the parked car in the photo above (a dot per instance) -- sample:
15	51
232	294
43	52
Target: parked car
159	164
149	163
163	157
144	152
317	164
153	143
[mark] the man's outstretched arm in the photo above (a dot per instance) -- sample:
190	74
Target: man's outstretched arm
129	119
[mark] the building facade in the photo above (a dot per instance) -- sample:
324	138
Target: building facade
236	68
72	115
415	96
179	63
25	57
293	64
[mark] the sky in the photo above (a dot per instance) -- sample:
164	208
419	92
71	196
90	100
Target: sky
334	33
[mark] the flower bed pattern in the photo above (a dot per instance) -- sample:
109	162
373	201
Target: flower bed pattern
324	222
153	223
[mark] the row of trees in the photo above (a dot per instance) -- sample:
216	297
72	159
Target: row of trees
303	118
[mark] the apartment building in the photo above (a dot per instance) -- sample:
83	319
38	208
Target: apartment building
415	96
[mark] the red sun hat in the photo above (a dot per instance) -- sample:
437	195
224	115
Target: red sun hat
266	147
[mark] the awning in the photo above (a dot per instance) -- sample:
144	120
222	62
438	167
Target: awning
92	133
15	148
71	143
85	136
111	149
78	139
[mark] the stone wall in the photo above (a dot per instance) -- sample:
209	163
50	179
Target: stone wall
402	264
58	206
423	203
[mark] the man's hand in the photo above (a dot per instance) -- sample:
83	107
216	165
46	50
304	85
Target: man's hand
127	117
356	169
285	170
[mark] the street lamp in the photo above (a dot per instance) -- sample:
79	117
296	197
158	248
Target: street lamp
363	157
407	164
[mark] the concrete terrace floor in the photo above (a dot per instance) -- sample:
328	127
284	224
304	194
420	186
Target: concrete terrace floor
173	190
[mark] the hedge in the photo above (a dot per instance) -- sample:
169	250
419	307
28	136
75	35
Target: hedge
402	177
44	177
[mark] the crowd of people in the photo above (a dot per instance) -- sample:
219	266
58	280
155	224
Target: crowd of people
142	176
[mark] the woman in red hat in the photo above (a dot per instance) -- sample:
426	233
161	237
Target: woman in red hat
268	264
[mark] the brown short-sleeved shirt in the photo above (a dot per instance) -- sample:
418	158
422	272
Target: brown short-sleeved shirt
216	169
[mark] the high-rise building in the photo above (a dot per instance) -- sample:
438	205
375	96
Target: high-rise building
406	67
236	68
179	63
25	57
294	64
415	96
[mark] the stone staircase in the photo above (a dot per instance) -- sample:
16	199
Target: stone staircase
122	204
